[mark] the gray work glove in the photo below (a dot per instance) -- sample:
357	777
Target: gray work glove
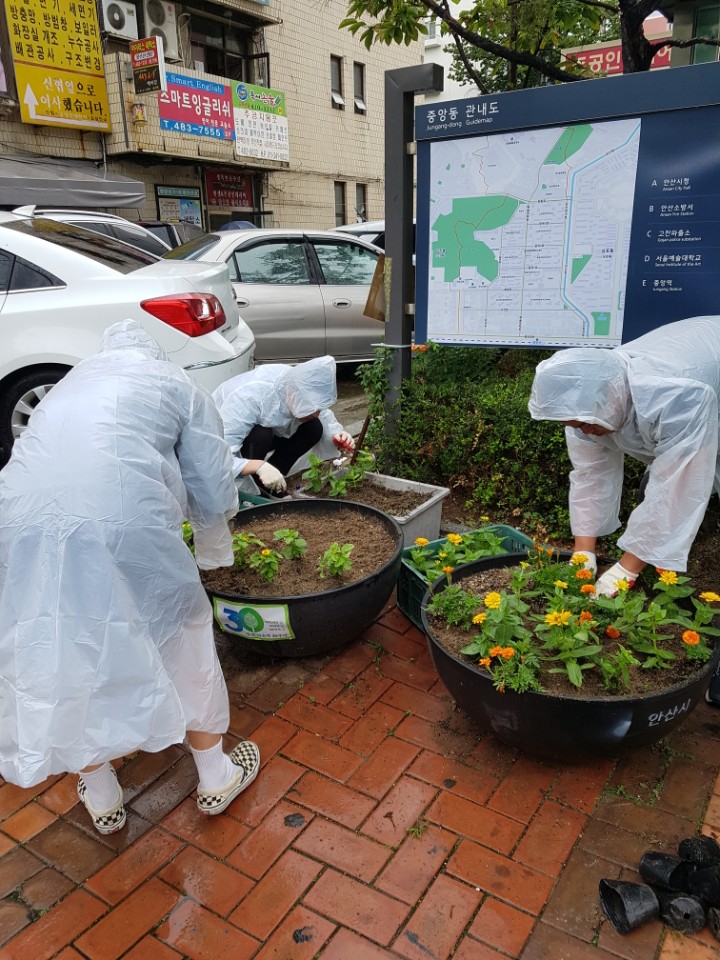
606	585
271	478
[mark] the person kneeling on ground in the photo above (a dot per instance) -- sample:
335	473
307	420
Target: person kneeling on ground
106	635
283	411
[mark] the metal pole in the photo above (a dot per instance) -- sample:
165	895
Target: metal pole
401	86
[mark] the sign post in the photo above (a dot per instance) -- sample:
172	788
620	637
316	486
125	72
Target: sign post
147	58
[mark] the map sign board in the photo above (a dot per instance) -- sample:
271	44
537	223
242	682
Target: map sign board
586	229
59	69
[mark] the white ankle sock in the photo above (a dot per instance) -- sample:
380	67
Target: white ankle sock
214	767
102	787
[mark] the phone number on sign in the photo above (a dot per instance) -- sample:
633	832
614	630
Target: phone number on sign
197	129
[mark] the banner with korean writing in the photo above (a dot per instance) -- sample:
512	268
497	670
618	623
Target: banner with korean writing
59	69
226	188
605	59
147	58
261	125
198	107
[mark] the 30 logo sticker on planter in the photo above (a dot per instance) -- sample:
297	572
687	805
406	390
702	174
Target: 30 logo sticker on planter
259	622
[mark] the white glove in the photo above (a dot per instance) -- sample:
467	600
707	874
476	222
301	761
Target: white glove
591	562
343	441
271	478
606	585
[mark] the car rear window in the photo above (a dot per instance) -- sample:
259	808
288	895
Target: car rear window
193	249
105	250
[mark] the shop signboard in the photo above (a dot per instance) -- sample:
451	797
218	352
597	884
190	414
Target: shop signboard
57	57
605	59
179	203
202	108
226	188
261	125
147	58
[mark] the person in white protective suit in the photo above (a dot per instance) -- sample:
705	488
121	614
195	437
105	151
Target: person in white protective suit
655	399
282	411
106	639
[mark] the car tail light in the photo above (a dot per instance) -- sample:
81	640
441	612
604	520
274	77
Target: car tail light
191	313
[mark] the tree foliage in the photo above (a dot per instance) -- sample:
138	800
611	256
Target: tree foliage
513	31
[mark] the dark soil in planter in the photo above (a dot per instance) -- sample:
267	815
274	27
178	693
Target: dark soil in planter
373	547
398	503
642	682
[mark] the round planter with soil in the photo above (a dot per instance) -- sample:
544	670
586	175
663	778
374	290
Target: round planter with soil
572	728
299	614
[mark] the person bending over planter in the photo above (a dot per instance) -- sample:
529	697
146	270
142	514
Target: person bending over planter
283	411
106	640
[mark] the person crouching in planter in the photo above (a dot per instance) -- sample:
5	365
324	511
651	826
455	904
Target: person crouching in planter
284	412
106	638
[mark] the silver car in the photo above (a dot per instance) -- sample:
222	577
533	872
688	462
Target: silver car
301	292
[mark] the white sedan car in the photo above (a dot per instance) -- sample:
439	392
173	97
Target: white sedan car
301	292
62	286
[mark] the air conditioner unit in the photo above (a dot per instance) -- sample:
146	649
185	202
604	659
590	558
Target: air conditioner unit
160	21
119	19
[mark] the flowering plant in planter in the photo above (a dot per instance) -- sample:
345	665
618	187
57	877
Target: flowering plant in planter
545	620
457	549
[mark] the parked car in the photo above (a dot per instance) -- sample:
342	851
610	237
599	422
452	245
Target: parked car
301	292
105	223
172	232
371	230
61	286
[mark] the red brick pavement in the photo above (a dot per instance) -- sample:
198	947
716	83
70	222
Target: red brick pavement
382	825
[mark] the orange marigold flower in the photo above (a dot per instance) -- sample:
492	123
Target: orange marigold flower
501	688
448	569
492	600
668	576
709	597
584	616
612	632
587	588
584	574
484	661
507	653
691	638
495	651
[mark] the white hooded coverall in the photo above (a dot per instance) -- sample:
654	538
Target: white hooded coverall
106	640
658	395
276	395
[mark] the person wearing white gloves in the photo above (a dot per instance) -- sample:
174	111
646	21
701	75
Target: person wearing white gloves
655	399
106	637
276	414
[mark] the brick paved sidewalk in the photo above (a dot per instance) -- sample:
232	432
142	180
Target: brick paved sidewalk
381	825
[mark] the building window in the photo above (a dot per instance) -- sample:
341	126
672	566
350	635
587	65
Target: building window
707	24
336	84
359	87
361	201
340	210
225	50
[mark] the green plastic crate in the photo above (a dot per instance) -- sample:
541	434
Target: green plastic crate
411	585
251	500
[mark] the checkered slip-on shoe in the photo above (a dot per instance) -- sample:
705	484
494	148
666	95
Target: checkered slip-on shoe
104	821
246	757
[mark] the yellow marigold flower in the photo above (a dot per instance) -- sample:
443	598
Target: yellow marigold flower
668	576
691	638
585	615
495	651
479	618
507	653
454	538
558	618
442	554
587	588
524	564
622	586
265	552
560	584
448	569
578	558
484	519
421	541
584	574
484	661
492	600
709	597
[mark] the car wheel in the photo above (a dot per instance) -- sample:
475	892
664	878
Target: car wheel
18	399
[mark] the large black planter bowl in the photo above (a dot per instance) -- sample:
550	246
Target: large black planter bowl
554	727
313	623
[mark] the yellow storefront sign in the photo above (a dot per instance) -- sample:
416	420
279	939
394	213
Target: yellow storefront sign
59	69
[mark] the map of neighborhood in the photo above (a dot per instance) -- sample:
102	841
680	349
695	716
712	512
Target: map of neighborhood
530	235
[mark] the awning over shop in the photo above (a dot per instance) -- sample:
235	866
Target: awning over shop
47	182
